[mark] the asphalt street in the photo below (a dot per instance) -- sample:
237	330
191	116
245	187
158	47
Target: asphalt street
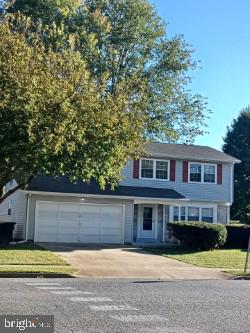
124	305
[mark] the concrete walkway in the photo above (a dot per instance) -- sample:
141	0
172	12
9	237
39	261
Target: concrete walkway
129	262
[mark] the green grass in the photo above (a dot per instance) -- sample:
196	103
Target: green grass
29	258
229	259
39	269
239	273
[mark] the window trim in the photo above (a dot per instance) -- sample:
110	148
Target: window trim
207	216
202	173
154	169
196	205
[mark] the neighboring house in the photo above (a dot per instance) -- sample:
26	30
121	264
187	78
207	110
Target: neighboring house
171	183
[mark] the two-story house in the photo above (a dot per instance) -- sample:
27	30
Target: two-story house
171	182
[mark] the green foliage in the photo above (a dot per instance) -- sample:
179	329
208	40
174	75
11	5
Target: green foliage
49	11
238	236
128	40
55	118
199	235
85	83
237	144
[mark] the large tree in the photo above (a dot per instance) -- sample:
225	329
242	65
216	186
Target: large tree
237	143
139	79
56	119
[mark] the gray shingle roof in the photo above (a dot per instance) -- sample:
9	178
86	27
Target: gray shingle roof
190	152
63	185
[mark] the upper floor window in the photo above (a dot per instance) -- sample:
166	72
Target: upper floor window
154	169
147	168
161	170
195	172
202	173
209	173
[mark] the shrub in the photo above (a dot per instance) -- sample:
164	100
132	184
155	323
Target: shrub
238	235
199	235
245	220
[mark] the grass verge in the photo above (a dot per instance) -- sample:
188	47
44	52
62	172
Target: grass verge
228	259
29	258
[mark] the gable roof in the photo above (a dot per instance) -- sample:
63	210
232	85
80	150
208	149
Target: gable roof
63	185
190	152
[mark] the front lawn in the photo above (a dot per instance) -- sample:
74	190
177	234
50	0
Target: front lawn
227	259
29	258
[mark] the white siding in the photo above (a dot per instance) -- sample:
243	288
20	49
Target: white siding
222	214
18	212
127	203
197	192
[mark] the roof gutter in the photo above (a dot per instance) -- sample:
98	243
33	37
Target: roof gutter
233	161
81	195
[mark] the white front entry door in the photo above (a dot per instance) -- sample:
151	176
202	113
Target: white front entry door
147	223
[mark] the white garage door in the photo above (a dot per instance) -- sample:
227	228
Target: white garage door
78	223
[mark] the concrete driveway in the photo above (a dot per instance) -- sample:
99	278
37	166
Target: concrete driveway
128	262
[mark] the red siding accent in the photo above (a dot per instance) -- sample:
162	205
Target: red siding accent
172	170
185	171
136	169
219	174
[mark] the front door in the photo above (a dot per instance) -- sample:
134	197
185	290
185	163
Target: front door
147	225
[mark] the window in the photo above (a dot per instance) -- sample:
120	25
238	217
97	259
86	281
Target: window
193	213
209	173
202	173
195	173
183	214
161	170
176	214
154	169
147	168
190	213
207	215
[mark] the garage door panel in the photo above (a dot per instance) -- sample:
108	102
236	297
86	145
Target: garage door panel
110	231
89	231
110	239
47	223
90	217
67	238
65	223
84	223
89	239
67	230
68	215
44	215
48	237
110	224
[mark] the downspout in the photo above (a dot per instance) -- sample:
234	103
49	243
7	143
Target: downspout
27	222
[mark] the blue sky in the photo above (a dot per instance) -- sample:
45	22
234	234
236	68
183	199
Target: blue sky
219	31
